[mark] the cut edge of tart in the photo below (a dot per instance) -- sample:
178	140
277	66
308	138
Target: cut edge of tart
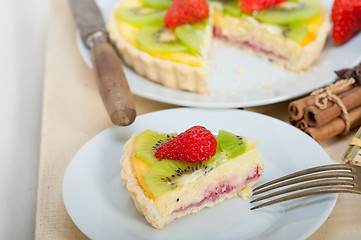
198	190
267	40
174	74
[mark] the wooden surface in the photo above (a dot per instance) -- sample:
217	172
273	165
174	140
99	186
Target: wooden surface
73	113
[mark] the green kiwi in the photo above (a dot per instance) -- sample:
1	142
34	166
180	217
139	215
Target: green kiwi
297	32
234	145
219	158
157	4
232	8
191	37
148	143
163	175
201	25
289	12
159	39
142	16
168	174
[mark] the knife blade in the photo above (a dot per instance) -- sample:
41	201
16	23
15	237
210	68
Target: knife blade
111	81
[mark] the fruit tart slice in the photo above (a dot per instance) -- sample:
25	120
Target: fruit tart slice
289	33
165	41
170	175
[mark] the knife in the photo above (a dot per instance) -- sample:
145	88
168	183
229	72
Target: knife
111	81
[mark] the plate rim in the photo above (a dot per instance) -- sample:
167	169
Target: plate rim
321	220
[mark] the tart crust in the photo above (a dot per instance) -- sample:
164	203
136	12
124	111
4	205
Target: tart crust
168	73
159	217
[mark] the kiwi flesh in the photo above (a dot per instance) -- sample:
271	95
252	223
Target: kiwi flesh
168	174
219	158
234	145
289	12
158	39
191	37
148	143
141	16
157	4
297	32
232	8
163	175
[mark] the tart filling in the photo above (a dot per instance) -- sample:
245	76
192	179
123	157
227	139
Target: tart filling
167	189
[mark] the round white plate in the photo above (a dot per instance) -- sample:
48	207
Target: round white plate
259	84
100	205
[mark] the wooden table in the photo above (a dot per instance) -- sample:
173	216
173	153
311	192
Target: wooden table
73	113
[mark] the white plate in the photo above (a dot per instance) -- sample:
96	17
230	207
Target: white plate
99	204
260	83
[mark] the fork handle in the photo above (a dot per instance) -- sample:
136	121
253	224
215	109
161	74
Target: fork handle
111	81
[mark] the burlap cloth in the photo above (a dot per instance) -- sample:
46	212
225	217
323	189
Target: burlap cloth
73	113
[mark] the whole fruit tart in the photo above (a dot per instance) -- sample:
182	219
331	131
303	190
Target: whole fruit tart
170	175
169	41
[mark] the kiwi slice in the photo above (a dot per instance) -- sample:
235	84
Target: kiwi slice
142	16
234	145
289	12
148	143
157	4
159	40
168	174
232	8
190	36
297	32
219	158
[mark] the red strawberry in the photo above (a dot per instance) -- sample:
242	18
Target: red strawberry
186	11
257	5
346	17
197	144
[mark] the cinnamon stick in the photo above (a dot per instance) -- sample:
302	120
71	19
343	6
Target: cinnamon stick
302	124
335	127
293	122
316	117
296	108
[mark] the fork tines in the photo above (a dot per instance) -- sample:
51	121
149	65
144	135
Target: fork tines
334	178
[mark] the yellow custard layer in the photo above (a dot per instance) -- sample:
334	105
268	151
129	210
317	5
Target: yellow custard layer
313	26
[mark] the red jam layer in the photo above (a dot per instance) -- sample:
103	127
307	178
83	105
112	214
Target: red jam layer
258	47
212	196
221	190
257	174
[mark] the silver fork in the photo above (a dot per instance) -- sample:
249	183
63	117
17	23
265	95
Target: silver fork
334	178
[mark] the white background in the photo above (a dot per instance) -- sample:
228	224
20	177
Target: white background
22	52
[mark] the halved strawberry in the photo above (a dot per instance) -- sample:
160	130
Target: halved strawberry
197	144
186	11
257	5
346	17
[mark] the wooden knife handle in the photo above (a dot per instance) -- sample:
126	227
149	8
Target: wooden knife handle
112	84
